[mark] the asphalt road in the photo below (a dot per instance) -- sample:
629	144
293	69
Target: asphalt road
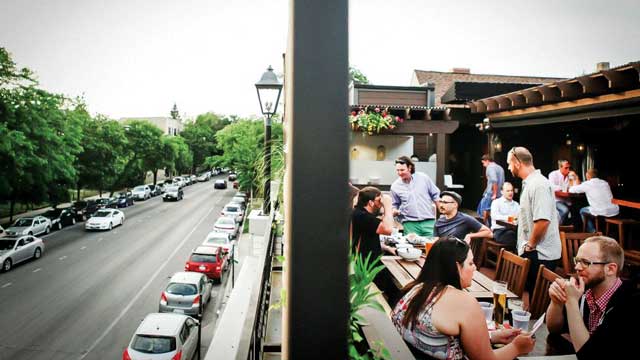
88	293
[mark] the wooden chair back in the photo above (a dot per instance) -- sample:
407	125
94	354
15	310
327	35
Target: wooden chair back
567	228
513	269
540	299
477	248
570	244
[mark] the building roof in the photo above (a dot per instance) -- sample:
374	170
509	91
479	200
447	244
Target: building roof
462	92
442	81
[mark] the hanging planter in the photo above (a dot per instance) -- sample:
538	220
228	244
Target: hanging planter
373	121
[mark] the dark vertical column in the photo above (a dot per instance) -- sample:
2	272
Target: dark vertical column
442	151
316	218
266	205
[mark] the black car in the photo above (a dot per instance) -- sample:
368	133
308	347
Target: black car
80	208
233	177
220	184
61	217
123	199
155	190
95	205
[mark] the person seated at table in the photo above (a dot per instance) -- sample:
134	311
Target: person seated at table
598	310
455	223
502	209
560	181
438	318
599	197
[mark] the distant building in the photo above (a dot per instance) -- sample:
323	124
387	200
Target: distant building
167	124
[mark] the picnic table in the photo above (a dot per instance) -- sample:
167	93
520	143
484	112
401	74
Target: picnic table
404	271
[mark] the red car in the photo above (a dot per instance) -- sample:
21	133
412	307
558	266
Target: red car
209	260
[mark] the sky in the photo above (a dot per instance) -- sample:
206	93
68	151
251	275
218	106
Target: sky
136	58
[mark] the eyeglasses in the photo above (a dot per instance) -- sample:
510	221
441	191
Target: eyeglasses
587	263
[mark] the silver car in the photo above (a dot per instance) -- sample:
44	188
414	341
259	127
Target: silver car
163	337
141	192
219	239
30	226
14	250
187	293
227	225
234	211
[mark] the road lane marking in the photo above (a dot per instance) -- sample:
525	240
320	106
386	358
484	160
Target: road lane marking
62	258
82	248
6	285
144	288
36	270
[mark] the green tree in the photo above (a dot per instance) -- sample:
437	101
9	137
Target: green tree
201	137
357	76
144	145
10	74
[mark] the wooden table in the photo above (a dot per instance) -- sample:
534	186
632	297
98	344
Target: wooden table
404	271
508	225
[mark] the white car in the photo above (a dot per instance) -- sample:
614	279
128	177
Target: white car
227	225
105	219
141	192
239	200
2	232
14	250
164	336
234	211
219	239
30	226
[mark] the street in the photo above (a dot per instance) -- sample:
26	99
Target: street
88	293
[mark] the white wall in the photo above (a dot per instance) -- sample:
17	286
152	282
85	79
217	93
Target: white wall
362	171
367	146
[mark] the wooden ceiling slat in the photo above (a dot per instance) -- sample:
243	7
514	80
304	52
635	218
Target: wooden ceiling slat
492	104
621	79
504	102
549	93
517	100
570	90
594	85
533	97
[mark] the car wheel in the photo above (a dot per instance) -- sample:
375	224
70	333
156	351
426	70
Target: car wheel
60	225
73	221
47	230
110	226
31	233
6	265
37	253
122	221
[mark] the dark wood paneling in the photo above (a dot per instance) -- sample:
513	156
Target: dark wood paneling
366	97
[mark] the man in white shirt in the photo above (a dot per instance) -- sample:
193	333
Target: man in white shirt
501	209
559	180
599	197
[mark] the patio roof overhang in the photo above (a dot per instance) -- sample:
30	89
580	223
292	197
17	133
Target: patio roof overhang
606	93
422	120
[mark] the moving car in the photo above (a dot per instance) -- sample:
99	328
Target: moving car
80	208
211	261
105	219
233	177
61	217
204	177
219	239
173	192
141	192
30	226
220	184
187	293
226	225
16	249
163	337
233	211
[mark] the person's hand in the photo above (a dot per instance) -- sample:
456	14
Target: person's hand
574	288
504	336
557	293
467	239
524	343
395	212
494	196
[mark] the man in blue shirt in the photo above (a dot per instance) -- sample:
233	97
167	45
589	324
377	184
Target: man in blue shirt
454	223
414	195
495	179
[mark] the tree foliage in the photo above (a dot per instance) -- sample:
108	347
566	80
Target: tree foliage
201	137
357	76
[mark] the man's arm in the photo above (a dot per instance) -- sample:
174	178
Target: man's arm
494	189
386	225
578	331
555	317
483	232
539	229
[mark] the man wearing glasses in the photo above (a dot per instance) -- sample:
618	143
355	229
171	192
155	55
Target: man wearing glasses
457	224
597	309
414	195
538	231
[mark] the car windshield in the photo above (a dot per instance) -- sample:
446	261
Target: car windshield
149	344
102	213
237	199
7	244
122	195
138	188
173	189
151	187
53	213
182	289
219	181
225	221
231	209
217	240
102	201
203	258
24	222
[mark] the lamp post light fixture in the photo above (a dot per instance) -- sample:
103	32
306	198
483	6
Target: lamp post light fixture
269	89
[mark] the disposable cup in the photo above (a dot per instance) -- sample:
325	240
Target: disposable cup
487	308
521	319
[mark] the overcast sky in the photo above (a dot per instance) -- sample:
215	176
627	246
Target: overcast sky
138	57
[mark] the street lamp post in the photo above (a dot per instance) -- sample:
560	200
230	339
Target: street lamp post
269	89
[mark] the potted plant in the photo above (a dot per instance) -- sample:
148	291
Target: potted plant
373	121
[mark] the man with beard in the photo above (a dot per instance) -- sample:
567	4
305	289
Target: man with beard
597	309
455	223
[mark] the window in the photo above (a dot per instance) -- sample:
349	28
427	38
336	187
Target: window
184	333
149	344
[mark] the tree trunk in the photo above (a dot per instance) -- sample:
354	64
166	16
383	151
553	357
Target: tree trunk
100	192
155	177
11	206
78	193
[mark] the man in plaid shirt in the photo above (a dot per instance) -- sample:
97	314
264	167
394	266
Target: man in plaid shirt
596	307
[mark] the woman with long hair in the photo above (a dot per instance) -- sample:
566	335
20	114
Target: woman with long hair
438	318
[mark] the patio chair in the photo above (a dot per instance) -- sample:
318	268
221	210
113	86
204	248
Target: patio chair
513	269
570	244
540	298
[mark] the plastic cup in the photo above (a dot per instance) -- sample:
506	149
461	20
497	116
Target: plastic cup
487	308
511	219
521	319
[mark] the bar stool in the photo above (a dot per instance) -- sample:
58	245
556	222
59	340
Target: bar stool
596	221
621	223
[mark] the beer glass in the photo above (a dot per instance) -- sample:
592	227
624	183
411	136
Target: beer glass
499	300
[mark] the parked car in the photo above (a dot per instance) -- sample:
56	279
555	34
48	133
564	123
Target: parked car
220	184
30	226
241	201
16	249
80	208
204	177
179	181
220	239
234	211
233	177
227	225
124	199
61	217
185	294
95	205
105	219
193	179
173	192
2	232
211	261
141	192
155	189
163	337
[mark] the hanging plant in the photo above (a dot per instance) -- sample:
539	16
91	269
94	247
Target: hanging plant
373	121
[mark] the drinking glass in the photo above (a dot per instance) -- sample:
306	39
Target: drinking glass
499	300
521	319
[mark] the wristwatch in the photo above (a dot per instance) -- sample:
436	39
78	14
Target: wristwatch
529	247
